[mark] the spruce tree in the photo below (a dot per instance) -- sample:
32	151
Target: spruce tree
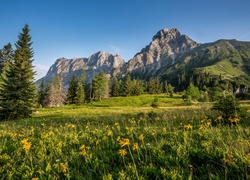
6	58
116	87
41	95
17	91
128	86
71	95
100	86
80	93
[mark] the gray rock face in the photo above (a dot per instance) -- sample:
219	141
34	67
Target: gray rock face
166	45
100	61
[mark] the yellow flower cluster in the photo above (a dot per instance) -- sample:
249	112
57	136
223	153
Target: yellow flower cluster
124	142
141	137
83	150
188	126
70	125
26	144
122	152
136	146
233	120
63	168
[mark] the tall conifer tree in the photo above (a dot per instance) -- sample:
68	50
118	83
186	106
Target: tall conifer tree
18	89
80	93
72	91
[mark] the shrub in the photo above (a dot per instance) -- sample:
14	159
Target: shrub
155	103
228	107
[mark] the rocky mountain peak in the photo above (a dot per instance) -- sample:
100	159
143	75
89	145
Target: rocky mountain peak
100	61
167	34
165	46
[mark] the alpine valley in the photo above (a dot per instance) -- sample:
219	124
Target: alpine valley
170	56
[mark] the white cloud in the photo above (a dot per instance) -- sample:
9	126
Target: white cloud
115	50
41	71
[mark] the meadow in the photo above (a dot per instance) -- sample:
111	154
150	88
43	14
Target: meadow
125	138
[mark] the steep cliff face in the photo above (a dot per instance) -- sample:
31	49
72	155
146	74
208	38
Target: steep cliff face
166	45
100	61
170	55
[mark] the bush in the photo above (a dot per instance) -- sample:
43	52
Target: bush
228	107
155	103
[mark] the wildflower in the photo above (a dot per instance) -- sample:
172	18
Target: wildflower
141	137
233	120
34	179
124	142
122	152
59	144
135	147
248	110
82	147
26	144
116	124
83	152
188	126
97	142
248	158
110	133
63	168
219	118
209	123
118	138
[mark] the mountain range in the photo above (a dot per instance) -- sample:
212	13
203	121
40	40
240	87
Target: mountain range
169	56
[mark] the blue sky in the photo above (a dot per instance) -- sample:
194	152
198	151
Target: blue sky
79	28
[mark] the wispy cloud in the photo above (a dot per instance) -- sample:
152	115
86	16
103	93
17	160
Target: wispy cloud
115	49
244	36
41	70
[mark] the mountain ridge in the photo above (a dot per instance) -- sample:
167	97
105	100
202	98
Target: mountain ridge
167	56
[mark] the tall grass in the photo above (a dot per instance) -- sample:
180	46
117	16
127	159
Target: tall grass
143	143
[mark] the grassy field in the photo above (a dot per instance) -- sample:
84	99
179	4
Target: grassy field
125	138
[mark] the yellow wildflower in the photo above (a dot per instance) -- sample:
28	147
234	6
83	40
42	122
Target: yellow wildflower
34	179
219	118
233	120
59	144
83	152
135	147
248	158
118	138
124	142
248	110
82	147
188	126
116	124
63	168
209	123
110	133
122	152
97	142
26	144
141	137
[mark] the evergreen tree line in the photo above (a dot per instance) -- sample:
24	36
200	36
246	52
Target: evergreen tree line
80	92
